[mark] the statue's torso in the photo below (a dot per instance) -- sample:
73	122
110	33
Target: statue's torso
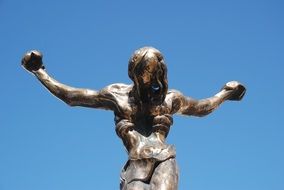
143	129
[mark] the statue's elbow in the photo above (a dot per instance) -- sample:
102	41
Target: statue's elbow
204	113
71	103
68	102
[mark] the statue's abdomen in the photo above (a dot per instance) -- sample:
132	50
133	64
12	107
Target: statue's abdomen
140	146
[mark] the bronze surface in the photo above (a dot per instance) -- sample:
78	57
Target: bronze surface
143	114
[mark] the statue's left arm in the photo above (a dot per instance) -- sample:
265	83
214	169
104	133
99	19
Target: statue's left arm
188	106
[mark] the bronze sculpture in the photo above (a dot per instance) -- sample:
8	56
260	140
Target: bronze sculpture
143	114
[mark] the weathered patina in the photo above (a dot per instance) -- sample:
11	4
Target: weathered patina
143	114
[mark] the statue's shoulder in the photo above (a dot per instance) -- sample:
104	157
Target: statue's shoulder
173	99
118	88
173	93
119	94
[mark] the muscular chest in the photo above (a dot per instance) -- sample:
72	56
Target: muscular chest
130	110
145	118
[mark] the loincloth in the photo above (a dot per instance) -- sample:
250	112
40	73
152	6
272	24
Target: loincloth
142	169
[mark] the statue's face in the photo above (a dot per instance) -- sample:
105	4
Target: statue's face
149	75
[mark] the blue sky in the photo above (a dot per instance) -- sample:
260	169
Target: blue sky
47	145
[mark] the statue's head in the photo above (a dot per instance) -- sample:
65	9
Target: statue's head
149	73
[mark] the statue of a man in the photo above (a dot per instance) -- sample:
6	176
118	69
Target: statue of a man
143	114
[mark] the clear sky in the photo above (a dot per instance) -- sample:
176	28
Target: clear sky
46	145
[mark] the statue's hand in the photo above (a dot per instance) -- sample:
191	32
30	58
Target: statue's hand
32	61
236	89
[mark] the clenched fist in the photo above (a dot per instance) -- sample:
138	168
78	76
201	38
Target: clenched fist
32	61
237	90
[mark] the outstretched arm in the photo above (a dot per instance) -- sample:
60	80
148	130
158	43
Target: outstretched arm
32	62
187	106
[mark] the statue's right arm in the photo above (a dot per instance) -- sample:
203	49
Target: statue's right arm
32	62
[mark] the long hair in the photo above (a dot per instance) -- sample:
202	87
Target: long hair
137	64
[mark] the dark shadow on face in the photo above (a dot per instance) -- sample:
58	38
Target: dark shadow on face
149	74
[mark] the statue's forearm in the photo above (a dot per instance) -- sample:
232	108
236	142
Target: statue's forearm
204	106
69	95
224	95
